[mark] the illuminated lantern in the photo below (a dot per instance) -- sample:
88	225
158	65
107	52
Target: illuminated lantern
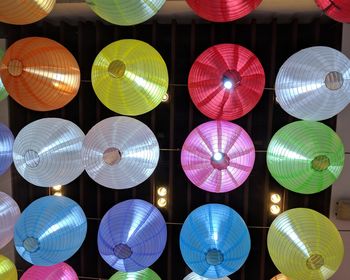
223	10
6	146
280	277
122	12
47	152
146	274
303	244
314	83
120	152
24	11
132	235
129	77
305	157
214	241
194	276
338	10
8	270
50	230
40	74
218	156
3	92
226	81
61	271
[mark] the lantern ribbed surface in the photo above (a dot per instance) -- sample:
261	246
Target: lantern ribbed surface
60	271
194	276
3	92
226	81
214	241
6	146
305	157
132	235
280	277
303	244
338	10
9	213
120	152
122	12
223	10
40	74
218	156
129	77
8	270
24	12
50	230
314	83
145	274
47	152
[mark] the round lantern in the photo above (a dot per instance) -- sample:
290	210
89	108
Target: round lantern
314	83
226	81
280	277
122	12
9	213
50	230
47	152
305	157
214	241
120	152
3	92
303	244
6	146
24	12
40	74
223	10
60	271
8	270
129	77
194	276
132	235
146	274
338	10
218	156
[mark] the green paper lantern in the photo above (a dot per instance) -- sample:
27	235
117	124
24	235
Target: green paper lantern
145	274
3	92
305	157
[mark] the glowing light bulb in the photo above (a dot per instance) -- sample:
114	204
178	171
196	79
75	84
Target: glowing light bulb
57	187
165	98
275	198
162	202
162	191
217	156
57	194
228	84
275	209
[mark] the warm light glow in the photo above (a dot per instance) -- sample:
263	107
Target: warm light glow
165	97
217	156
162	202
275	198
57	194
228	84
57	187
162	191
275	209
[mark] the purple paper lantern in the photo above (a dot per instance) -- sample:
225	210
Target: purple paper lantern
6	145
132	235
218	156
61	271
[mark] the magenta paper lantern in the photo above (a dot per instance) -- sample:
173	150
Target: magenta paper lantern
218	156
60	271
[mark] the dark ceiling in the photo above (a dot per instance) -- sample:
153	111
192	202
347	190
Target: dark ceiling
171	122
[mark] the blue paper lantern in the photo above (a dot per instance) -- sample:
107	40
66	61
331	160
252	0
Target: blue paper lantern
50	230
132	235
214	241
6	145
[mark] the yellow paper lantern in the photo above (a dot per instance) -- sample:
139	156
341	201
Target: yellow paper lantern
129	77
24	11
8	270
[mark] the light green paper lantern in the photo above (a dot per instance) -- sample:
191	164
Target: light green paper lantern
145	274
123	12
3	92
305	156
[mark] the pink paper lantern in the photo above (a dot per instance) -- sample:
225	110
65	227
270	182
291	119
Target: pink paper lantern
218	156
61	271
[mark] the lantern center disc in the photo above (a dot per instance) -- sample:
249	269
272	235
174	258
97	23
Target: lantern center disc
31	158
320	163
314	262
122	251
116	69
231	79
334	80
214	257
112	156
15	67
31	244
220	161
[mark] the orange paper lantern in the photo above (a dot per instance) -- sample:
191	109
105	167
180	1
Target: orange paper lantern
40	74
24	11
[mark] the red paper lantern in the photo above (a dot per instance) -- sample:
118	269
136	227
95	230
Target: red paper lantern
223	10
226	81
338	10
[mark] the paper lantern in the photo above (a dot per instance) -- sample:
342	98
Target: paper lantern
305	157
218	156
120	152
226	81
125	12
47	152
338	10
8	270
129	77
50	230
146	274
314	83
40	74
194	276
132	235
223	10
24	12
61	271
303	244
280	277
6	146
214	241
9	213
3	92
